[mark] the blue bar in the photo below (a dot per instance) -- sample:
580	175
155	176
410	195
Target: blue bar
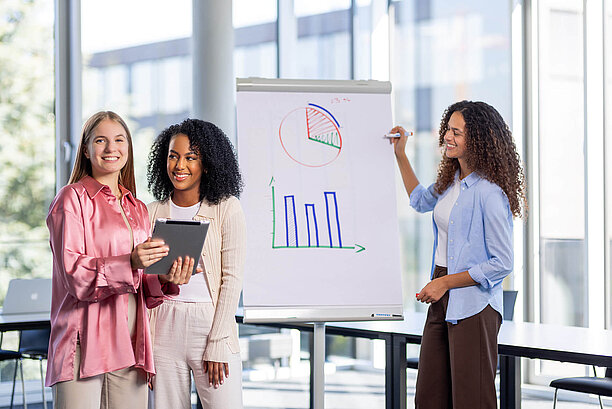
287	218
337	218
314	217
328	223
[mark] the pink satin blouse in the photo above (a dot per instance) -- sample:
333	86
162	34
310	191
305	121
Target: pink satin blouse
92	279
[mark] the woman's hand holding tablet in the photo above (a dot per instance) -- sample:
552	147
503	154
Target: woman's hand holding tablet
185	240
180	272
148	253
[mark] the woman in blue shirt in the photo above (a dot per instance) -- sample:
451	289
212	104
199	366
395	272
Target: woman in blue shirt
479	189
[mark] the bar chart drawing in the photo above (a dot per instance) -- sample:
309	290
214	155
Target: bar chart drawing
326	236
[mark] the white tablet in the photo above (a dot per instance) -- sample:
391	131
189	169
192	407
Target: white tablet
184	237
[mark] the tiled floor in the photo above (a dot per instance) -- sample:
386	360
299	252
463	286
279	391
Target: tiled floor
363	389
344	389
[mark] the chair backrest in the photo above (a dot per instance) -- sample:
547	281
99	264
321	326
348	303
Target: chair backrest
34	341
28	296
509	301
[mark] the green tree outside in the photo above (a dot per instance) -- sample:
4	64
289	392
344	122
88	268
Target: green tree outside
27	135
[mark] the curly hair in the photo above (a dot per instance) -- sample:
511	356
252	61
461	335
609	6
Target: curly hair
491	152
221	178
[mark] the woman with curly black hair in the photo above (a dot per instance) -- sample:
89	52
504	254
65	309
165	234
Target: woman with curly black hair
480	187
193	173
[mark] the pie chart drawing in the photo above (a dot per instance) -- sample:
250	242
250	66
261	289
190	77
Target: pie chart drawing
311	136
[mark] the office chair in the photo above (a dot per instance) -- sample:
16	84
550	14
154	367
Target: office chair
585	384
6	355
412	363
33	344
509	302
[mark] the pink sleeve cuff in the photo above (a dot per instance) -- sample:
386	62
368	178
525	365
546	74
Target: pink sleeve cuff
156	292
116	272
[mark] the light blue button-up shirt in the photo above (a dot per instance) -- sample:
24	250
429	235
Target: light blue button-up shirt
479	241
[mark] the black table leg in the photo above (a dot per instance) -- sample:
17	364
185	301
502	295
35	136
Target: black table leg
395	372
389	395
399	372
509	382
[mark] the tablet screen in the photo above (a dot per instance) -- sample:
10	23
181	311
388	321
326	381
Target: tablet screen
184	237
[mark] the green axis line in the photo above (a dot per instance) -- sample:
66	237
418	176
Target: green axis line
313	247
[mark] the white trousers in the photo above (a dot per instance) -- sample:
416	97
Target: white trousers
181	332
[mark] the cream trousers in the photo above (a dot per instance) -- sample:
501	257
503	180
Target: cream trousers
122	389
181	332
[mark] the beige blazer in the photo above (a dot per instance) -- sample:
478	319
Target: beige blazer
223	255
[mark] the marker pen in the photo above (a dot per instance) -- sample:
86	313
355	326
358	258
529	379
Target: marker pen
387	315
396	135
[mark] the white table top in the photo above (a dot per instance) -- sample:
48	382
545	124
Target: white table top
11	322
532	340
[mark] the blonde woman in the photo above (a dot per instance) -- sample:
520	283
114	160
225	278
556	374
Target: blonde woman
100	352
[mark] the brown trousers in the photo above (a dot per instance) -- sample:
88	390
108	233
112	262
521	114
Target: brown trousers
457	363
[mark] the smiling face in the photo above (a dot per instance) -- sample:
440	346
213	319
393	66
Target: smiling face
107	150
455	139
184	168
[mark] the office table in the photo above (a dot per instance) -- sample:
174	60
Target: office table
546	341
18	322
516	339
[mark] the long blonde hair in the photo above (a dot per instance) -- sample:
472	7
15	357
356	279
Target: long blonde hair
82	165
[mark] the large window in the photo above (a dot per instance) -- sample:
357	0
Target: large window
27	177
445	51
563	282
371	44
608	151
571	138
140	69
27	146
323	44
256	28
